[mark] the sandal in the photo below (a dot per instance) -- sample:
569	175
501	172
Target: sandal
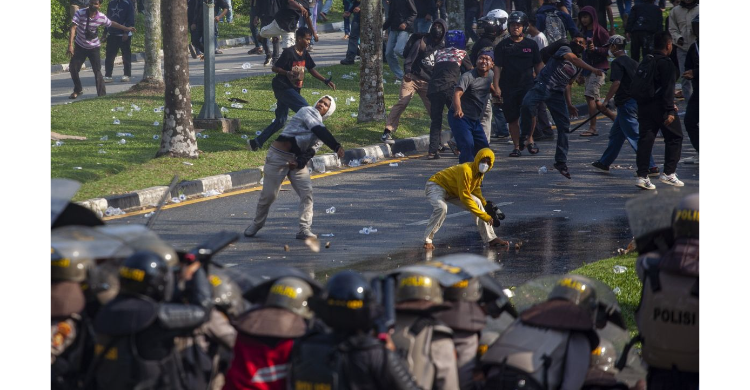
563	169
589	133
454	147
515	153
75	95
532	148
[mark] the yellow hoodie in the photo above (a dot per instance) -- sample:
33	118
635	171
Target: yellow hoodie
464	180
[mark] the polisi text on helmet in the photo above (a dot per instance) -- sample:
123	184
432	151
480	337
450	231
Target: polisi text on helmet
132	274
416	281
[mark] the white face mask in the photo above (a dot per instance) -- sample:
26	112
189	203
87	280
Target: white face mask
483	167
611	54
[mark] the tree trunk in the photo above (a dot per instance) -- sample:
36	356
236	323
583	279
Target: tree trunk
371	100
152	73
177	135
455	10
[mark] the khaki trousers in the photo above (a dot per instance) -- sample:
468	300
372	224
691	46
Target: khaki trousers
408	88
438	198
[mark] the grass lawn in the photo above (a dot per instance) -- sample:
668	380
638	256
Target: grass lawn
628	283
108	167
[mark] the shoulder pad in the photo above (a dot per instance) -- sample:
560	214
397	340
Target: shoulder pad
176	316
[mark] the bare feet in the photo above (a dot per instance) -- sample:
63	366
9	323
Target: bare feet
429	246
497	242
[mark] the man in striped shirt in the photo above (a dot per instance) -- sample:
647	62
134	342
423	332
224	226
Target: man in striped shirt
84	44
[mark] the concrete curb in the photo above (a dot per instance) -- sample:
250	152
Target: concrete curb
232	181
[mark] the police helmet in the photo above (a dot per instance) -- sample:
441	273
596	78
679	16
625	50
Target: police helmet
69	269
469	290
685	218
347	304
292	294
226	294
146	273
412	286
578	290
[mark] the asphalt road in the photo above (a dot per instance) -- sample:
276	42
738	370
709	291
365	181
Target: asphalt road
561	223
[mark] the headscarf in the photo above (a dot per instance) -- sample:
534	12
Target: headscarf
331	109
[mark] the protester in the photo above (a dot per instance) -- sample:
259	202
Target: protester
399	23
123	12
472	11
266	11
285	22
492	29
555	24
426	14
313	18
603	11
680	26
596	56
691	113
353	33
543	129
645	21
195	20
254	19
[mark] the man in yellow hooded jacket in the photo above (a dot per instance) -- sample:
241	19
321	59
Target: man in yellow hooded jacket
461	185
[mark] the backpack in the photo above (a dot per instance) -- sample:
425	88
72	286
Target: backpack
642	86
554	28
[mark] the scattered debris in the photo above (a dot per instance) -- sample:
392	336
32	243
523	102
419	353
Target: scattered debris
619	269
399	154
286	248
542	169
313	244
328	244
331	211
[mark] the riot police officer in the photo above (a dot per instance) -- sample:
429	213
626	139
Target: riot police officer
72	343
466	319
549	346
425	342
667	316
136	331
354	359
266	335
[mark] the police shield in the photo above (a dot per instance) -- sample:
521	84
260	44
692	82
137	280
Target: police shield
538	290
650	214
85	242
451	269
63	191
65	213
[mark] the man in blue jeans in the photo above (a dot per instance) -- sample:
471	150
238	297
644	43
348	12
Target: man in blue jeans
470	98
552	87
290	74
400	21
626	122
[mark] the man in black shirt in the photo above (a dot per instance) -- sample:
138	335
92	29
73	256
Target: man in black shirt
517	59
290	74
625	125
659	113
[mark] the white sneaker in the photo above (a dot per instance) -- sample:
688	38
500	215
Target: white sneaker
125	79
690	160
645	183
107	79
671	180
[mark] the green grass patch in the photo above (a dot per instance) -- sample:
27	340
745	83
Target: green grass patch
628	283
108	167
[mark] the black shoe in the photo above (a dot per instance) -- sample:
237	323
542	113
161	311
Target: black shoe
598	165
254	145
432	156
192	51
653	172
346	61
563	168
499	136
217	51
267	61
387	137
